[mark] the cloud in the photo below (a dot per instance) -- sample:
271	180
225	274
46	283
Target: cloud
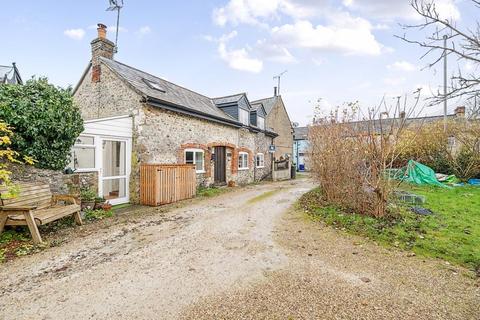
274	52
394	9
257	12
143	31
239	59
402	66
75	34
114	29
347	35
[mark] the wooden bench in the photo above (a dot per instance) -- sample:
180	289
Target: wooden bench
36	205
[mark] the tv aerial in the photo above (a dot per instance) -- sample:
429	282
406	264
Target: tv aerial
116	5
279	77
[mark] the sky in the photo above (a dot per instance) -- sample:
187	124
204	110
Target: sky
333	51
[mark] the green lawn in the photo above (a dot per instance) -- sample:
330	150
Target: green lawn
452	233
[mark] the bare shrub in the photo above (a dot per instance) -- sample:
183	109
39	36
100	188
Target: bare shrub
454	151
349	158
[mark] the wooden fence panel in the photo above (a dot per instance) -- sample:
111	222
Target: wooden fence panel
162	184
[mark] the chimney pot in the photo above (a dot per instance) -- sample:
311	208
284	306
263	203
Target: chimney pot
102	30
275	89
402	114
460	112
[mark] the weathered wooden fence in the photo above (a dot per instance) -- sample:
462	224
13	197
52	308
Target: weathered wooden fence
166	183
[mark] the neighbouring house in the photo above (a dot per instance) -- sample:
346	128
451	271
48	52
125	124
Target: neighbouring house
277	120
133	117
10	75
300	148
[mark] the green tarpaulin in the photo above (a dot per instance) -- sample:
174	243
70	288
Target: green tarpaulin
418	173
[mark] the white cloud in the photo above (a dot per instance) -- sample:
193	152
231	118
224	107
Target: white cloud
239	59
274	52
114	29
402	66
347	35
142	31
75	34
255	12
393	9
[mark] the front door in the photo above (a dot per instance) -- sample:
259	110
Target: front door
114	173
220	165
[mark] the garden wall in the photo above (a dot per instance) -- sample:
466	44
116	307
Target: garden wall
59	182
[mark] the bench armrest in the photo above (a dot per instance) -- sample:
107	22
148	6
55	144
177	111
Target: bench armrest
19	209
64	197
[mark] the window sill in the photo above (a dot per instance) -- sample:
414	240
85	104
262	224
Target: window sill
260	167
200	171
242	169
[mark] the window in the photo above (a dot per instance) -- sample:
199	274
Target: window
243	116
260	160
243	161
154	85
82	156
196	157
261	123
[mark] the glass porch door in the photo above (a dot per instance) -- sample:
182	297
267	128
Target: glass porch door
113	177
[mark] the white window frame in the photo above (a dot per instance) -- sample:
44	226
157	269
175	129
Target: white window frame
244	116
195	151
86	146
262	163
263	122
241	163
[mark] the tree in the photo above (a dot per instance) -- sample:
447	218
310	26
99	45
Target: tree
45	120
463	45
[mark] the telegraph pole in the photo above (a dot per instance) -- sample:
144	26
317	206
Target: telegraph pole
445	83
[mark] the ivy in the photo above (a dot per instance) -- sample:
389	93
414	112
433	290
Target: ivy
45	120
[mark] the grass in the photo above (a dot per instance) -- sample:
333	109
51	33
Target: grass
263	196
210	192
452	233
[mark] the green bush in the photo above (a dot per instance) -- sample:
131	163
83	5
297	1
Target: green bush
45	120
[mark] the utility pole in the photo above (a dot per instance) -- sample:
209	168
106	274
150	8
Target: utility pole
278	77
445	37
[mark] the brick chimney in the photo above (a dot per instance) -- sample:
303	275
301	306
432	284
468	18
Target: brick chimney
101	47
460	112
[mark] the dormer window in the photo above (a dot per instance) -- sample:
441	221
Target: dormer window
154	85
243	116
261	122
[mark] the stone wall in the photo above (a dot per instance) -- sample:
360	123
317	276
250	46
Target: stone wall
58	181
164	135
109	97
279	121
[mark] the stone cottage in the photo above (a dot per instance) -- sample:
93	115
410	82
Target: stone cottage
133	117
277	120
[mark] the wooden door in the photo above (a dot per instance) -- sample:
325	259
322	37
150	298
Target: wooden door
220	165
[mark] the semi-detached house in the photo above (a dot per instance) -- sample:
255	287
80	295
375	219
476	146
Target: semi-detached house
132	117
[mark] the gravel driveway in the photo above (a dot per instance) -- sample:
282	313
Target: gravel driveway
233	256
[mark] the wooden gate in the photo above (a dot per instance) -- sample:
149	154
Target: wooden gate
166	183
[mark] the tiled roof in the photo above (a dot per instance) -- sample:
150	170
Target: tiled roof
268	103
228	99
9	74
169	92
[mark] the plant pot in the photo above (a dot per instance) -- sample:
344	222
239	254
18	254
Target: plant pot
99	205
87	204
106	206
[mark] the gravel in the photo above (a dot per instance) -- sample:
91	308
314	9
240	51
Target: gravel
231	258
